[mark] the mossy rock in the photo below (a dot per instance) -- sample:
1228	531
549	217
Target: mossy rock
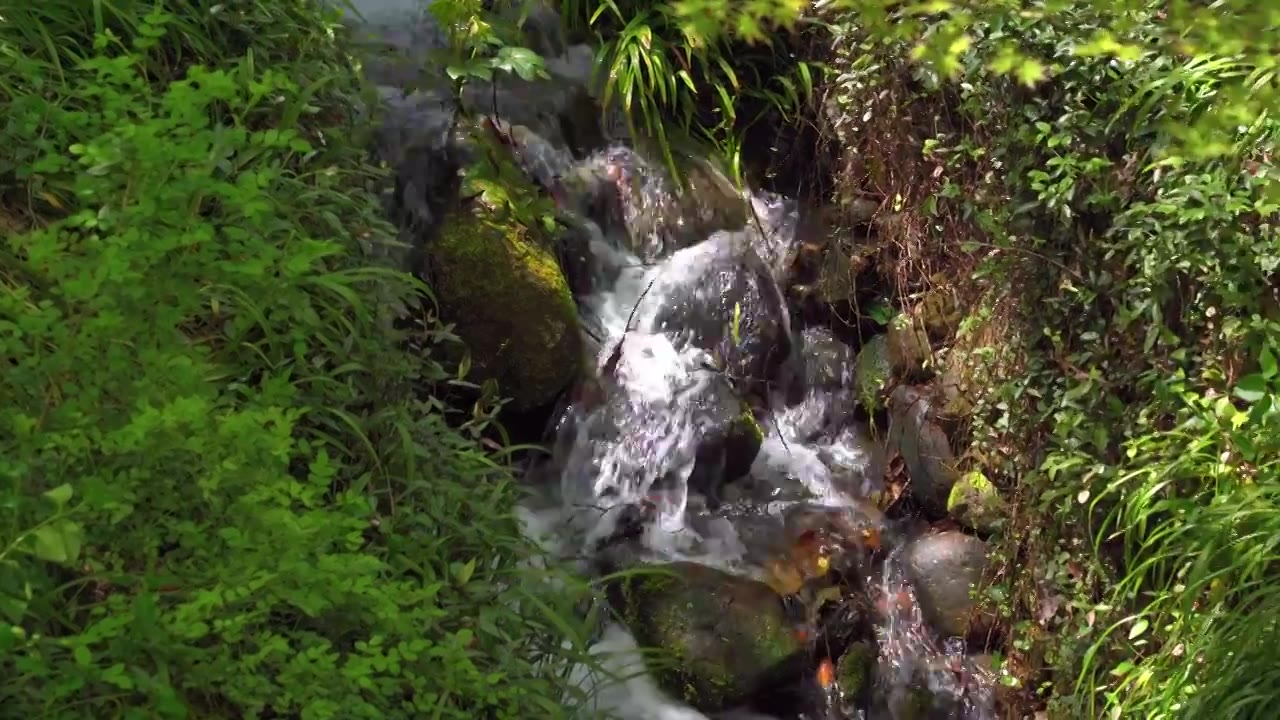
976	503
872	372
908	344
855	672
503	290
716	638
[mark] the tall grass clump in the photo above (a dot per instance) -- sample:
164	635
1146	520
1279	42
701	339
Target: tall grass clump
676	82
226	486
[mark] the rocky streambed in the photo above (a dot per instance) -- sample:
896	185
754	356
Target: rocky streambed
757	484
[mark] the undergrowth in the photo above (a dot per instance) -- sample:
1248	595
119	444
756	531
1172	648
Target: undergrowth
228	488
1132	415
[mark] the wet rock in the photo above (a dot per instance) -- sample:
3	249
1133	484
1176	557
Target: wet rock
942	688
828	362
719	297
503	290
824	547
652	419
946	569
855	675
858	528
729	447
779	228
540	25
395	41
844	651
976	503
413	139
924	447
621	187
826	385
856	461
724	637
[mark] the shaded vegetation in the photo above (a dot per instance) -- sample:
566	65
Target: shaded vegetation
228	487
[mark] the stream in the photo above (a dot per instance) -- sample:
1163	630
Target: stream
716	433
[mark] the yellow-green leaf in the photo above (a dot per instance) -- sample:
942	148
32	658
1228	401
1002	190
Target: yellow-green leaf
59	542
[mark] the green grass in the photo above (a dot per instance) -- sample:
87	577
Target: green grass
226	486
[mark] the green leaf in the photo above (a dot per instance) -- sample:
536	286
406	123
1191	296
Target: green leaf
462	572
1251	388
117	675
60	495
1138	628
59	541
521	61
1268	362
1030	72
82	656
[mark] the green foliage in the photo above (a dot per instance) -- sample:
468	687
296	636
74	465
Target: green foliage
674	82
1144	408
952	37
226	487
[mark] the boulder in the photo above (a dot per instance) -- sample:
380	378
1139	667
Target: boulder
855	677
924	447
946	569
872	372
653	422
719	296
730	444
540	25
821	398
719	638
908	344
622	188
828	362
818	540
501	287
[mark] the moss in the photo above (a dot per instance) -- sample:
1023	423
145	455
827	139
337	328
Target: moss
749	425
975	502
716	634
510	302
872	371
853	675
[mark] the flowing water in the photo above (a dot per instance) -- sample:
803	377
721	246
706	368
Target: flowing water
681	297
642	448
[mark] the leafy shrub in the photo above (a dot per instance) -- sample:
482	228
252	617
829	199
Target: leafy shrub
228	489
